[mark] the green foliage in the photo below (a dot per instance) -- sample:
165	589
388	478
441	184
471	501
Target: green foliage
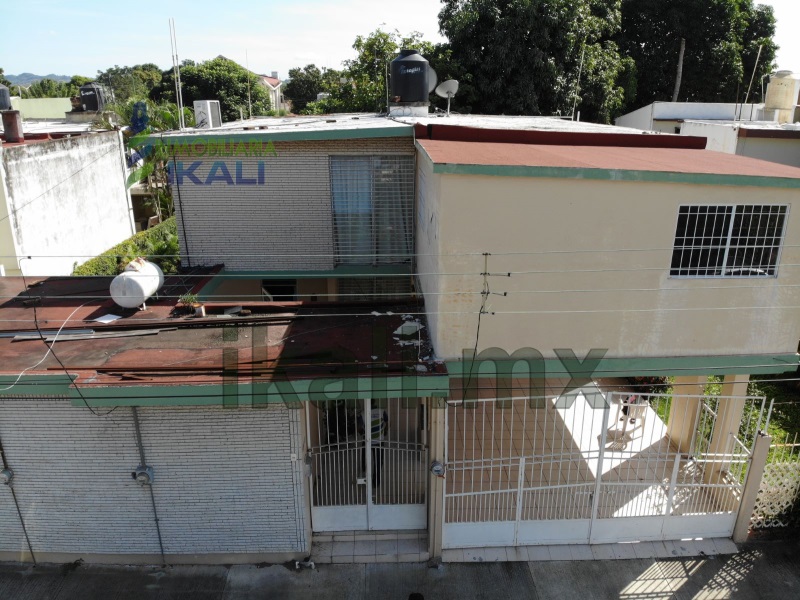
158	244
304	85
218	79
130	82
524	56
47	88
722	41
3	80
188	299
153	172
361	85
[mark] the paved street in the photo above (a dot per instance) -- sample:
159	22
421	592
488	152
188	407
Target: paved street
760	570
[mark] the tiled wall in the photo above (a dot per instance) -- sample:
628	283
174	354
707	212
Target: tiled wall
224	479
269	226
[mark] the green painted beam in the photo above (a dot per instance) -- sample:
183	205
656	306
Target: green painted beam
634	367
287	135
616	175
262	394
38	385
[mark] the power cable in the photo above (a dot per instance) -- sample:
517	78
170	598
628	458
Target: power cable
52	348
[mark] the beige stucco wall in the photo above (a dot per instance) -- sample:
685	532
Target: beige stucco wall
576	288
42	108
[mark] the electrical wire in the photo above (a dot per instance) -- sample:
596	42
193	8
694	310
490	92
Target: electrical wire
382	255
46	354
392	295
51	348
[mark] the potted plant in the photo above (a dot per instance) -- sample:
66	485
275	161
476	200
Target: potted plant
192	304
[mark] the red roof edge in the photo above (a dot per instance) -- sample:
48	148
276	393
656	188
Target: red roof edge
454	133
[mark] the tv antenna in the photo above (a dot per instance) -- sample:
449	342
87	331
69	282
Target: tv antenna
447	89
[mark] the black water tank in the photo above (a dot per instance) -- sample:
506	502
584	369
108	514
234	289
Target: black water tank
410	72
5	98
93	97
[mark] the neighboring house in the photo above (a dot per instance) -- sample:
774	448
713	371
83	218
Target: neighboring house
668	117
350	271
274	85
781	105
42	109
774	142
63	198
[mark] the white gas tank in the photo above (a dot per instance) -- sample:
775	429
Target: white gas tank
137	283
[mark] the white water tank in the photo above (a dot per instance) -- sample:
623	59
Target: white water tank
783	96
137	283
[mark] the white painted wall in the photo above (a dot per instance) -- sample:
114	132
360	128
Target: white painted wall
224	482
67	201
641	118
647	117
721	137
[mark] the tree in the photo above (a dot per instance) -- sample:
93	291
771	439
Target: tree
525	56
304	85
130	82
3	80
217	79
361	86
47	88
722	41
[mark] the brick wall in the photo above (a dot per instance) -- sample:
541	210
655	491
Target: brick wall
224	480
290	214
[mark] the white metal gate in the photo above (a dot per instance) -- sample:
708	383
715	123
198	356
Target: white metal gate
356	489
594	468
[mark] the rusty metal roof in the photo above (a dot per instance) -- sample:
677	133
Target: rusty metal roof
288	341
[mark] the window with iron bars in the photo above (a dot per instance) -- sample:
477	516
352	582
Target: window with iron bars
373	203
728	241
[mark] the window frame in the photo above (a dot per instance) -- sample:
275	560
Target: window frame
727	248
377	257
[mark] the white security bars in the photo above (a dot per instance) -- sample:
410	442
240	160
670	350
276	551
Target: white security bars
373	203
595	468
368	464
728	241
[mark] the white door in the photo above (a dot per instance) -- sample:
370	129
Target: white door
368	462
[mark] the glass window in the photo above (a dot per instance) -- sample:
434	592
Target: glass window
373	200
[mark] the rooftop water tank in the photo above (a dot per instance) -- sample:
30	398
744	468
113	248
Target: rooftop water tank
5	98
782	96
409	77
137	283
93	97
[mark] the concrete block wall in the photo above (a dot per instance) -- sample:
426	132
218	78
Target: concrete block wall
274	226
67	201
224	484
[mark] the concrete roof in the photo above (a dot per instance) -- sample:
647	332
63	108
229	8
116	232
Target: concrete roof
609	159
354	124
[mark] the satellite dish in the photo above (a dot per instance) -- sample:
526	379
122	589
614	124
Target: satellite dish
447	89
433	78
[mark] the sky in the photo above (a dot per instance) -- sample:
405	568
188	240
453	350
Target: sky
69	38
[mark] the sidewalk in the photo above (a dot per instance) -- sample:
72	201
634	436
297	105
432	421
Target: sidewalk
760	570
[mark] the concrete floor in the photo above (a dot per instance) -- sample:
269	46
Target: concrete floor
760	570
